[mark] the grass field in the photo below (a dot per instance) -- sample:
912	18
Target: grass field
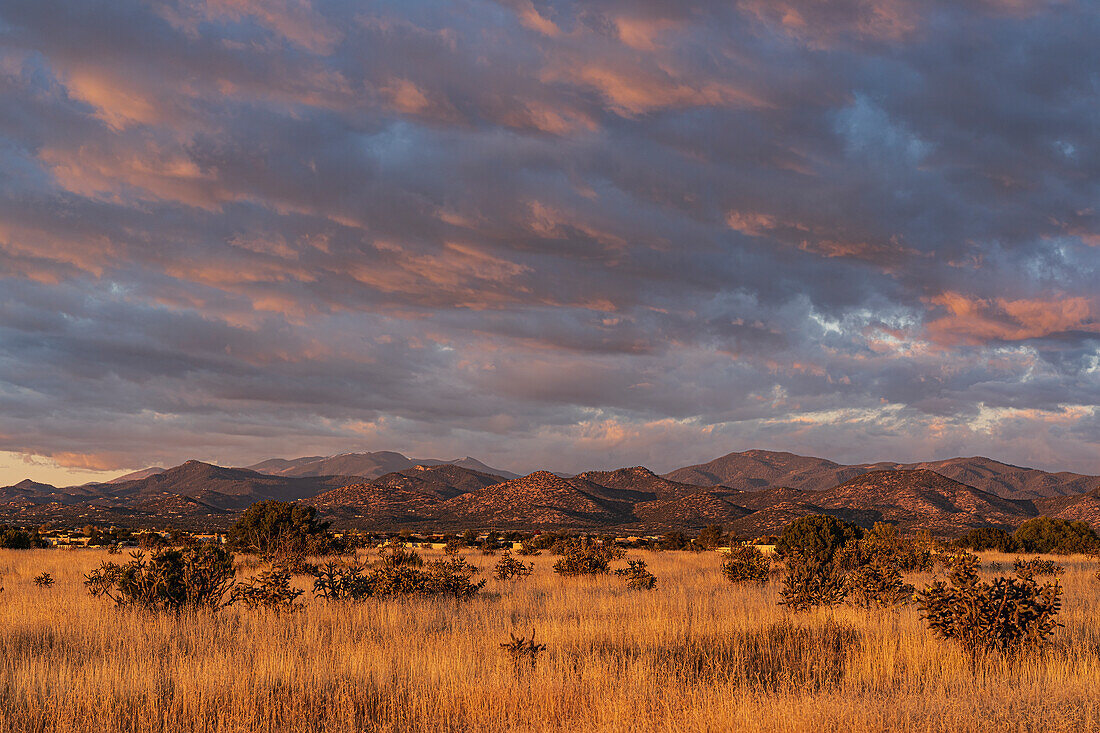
696	654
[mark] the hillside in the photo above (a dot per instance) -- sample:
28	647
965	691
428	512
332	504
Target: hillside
756	469
540	499
364	465
442	481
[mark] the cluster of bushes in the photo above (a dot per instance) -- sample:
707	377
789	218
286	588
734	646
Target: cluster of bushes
398	572
197	578
1007	615
594	558
830	561
1042	534
13	538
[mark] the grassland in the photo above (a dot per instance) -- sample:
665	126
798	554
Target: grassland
697	654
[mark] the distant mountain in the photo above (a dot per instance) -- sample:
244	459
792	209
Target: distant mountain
540	499
640	479
757	469
143	473
1080	508
366	465
32	492
912	499
367	504
442	482
217	486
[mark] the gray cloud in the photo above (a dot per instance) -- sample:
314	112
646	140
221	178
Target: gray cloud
549	234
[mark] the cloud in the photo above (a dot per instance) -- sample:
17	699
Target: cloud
548	233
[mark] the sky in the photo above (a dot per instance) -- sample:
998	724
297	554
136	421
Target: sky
548	234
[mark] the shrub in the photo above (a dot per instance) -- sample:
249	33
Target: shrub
395	555
878	584
582	561
528	548
987	538
279	529
808	584
521	649
12	538
389	578
746	564
710	537
270	589
817	538
1037	566
43	580
170	580
637	575
674	541
453	546
341	582
509	568
883	544
1056	536
1009	615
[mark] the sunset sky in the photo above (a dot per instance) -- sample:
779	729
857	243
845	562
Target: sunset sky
547	234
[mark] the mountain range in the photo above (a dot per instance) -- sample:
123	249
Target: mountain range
751	493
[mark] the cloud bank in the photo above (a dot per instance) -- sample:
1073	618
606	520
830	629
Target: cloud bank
561	234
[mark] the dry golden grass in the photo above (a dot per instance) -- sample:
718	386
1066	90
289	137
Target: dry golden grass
697	654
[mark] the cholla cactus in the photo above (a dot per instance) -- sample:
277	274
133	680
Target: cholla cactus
43	580
638	576
270	590
1009	615
521	649
877	584
1037	566
509	568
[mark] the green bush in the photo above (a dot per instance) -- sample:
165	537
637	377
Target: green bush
199	578
637	575
816	539
1009	615
509	568
809	583
987	538
746	564
582	561
877	584
279	530
270	590
1056	536
13	538
389	577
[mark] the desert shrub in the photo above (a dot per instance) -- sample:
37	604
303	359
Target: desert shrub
389	578
1056	536
270	589
453	546
582	561
746	564
674	541
1037	566
523	650
509	568
637	575
13	538
277	529
398	555
151	541
710	537
336	582
877	584
884	545
169	580
1009	615
808	584
43	580
817	538
528	548
987	538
